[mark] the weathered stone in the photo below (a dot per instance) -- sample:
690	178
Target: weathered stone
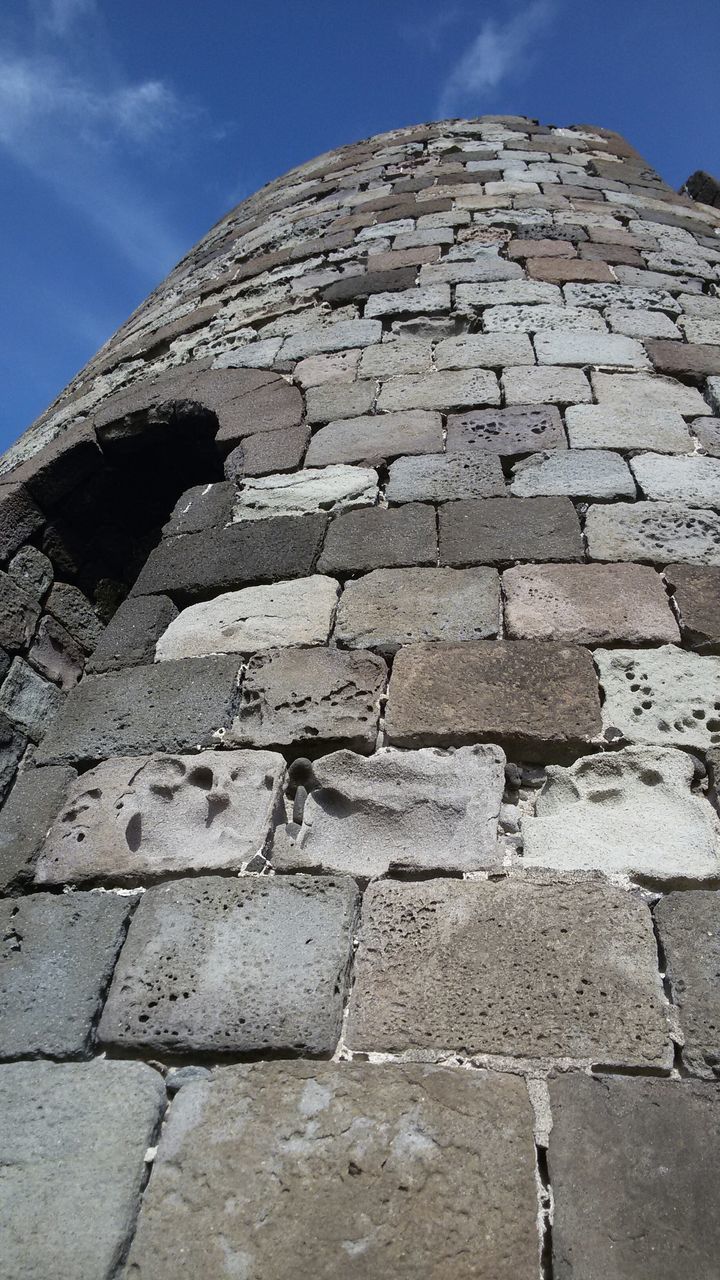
164	814
590	349
588	604
203	507
707	431
12	745
340	400
74	611
331	337
537	319
437	477
647	1152
380	538
521	292
500	530
285	613
269	404
20	518
615	295
396	356
171	706
32	571
694	481
641	324
19	614
629	812
653	531
28	700
689	930
368	282
310	695
332	489
538	700
336	366
25	818
392	607
642	392
446	389
582	473
423	300
489	266
443	965
484	350
696	596
74	1142
63	464
415	811
375	437
267	452
130	637
234	966
57	954
521	429
594	426
684	359
545	384
436	1132
56	654
661	696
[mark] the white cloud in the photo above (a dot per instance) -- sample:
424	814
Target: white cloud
58	16
499	51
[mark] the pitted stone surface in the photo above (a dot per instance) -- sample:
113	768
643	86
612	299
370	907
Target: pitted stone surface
414	811
74	1143
284	613
443	390
653	531
630	812
380	538
588	604
19	614
443	965
519	429
132	818
545	384
331	489
694	481
646	1151
538	319
696	596
392	607
632	392
130	637
56	957
234	966
662	696
595	426
581	473
26	817
376	436
439	477
500	530
689	929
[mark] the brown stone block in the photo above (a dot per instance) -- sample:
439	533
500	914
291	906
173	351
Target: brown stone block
560	270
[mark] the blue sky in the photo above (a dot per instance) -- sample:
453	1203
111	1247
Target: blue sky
127	127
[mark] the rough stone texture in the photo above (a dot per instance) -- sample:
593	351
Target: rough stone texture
492	350
331	489
310	696
662	696
267	452
32	571
25	819
28	700
630	392
362	1138
594	426
172	706
380	538
203	507
284	613
500	530
689	930
20	518
588	604
653	531
538	700
630	812
55	654
641	324
130	637
589	349
56	958
443	965
391	607
414	811
340	400
694	481
535	319
264	963
19	614
584	473
633	1164
519	429
164	814
545	384
707	431
438	477
684	359
74	611
443	390
376	436
74	1143
696	596
12	745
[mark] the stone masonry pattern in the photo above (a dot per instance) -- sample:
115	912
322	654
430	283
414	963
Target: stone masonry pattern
360	738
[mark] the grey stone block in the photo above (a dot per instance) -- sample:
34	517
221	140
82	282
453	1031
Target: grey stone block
56	654
19	614
267	452
653	531
20	518
614	295
694	481
662	696
25	819
203	507
380	538
520	292
13	743
641	324
32	571
537	319
331	337
74	611
590	349
130	637
707	431
28	700
234	966
581	473
595	426
438	477
443	390
545	384
341	399
641	392
331	489
696	597
588	604
484	350
392	607
689	929
376	436
500	530
520	429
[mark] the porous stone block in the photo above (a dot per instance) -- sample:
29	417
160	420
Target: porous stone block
284	613
506	292
56	957
632	298
412	811
396	355
538	700
32	571
662	696
545	384
336	366
310	695
385	1129
594	426
500	530
536	319
633	1164
521	429
74	1142
25	819
642	392
331	337
234	966
19	614
590	349
171	706
560	270
437	477
392	607
202	507
377	436
332	489
267	452
641	324
20	518
443	965
653	531
340	400
696	595
629	812
692	480
130	637
688	925
484	350
582	473
28	700
74	611
588	604
380	537
164	814
423	300
443	390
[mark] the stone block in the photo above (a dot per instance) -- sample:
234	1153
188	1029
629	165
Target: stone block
506	292
661	696
32	571
409	355
56	655
594	426
375	437
707	431
629	812
222	965
312	489
642	392
545	384
71	608
588	604
331	337
28	700
25	818
74	1142
500	530
438	477
423	300
694	481
130	637
446	389
13	743
684	359
560	270
484	350
364	283
408	811
203	507
137	818
340	400
590	349
386	1129
392	607
696	596
267	452
584	473
538	319
19	614
171	706
443	965
270	403
20	518
537	700
380	537
615	295
689	930
633	1164
520	429
641	324
57	954
653	531
311	696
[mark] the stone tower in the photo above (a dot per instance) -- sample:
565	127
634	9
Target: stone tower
360	725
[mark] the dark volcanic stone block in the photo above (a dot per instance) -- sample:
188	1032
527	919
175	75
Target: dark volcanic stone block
60	466
12	745
268	453
56	957
520	429
501	530
378	538
171	706
19	615
689	928
74	611
235	966
202	507
19	518
634	1166
130	637
538	700
696	593
26	817
361	286
684	359
222	558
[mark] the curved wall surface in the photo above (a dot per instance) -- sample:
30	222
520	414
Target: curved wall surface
359	735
